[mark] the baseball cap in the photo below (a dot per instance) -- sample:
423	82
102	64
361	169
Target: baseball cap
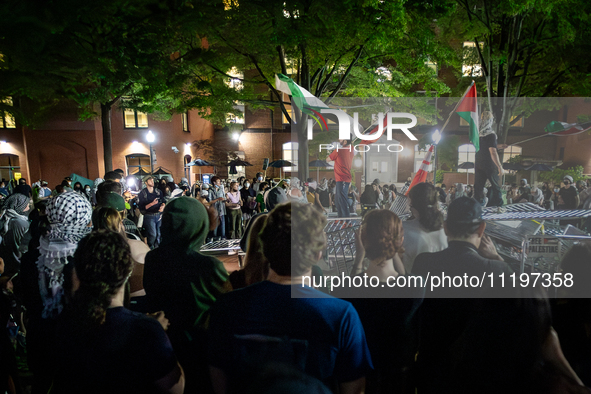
568	178
464	210
146	179
113	200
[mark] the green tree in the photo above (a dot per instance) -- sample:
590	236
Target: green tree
522	49
354	48
105	54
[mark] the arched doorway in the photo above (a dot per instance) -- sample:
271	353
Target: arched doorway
9	166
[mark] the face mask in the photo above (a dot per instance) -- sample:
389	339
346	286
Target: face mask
260	178
87	189
247	185
556	190
69	182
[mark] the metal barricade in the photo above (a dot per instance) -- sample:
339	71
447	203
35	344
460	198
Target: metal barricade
340	243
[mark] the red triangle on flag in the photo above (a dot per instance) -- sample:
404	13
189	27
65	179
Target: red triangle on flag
469	102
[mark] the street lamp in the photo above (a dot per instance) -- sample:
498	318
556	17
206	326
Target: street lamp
150	138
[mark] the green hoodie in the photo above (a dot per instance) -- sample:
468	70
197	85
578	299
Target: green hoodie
185	224
177	278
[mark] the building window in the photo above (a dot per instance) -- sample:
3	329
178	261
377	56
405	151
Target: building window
135	119
6	119
290	153
235	78
471	66
236	119
9	166
138	164
185	121
511	152
466	153
420	155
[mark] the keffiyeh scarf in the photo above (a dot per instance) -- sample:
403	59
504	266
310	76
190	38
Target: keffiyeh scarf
13	208
69	215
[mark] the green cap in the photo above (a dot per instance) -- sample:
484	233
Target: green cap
113	200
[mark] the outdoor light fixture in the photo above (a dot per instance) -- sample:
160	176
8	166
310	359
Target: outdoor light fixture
436	136
130	181
188	144
150	137
358	161
235	136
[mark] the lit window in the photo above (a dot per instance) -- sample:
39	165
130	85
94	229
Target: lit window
511	152
6	119
471	66
290	153
420	155
135	119
138	164
185	121
235	79
466	153
432	65
238	119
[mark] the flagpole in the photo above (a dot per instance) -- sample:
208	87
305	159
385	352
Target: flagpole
544	135
456	107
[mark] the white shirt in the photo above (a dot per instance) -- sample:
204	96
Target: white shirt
418	240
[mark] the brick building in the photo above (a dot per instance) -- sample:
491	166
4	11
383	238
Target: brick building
64	145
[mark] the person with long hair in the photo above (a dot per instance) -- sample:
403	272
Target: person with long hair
105	348
105	218
256	267
388	314
425	232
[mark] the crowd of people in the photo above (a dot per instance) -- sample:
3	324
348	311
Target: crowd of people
105	287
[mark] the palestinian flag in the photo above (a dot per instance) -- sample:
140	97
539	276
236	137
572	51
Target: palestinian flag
311	105
421	175
468	110
562	128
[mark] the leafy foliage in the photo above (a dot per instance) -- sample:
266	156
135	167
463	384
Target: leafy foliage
557	175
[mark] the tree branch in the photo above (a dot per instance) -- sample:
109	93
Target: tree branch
346	75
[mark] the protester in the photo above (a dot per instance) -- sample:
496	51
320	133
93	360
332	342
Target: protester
46	275
151	205
184	283
23	188
108	218
584	193
105	348
244	322
425	232
569	196
249	204
233	207
260	199
487	165
324	194
277	195
13	225
524	193
368	197
255	267
391	336
343	159
217	197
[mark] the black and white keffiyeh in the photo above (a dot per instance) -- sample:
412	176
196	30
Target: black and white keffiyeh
69	215
13	208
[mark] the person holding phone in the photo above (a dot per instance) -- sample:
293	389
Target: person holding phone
151	206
